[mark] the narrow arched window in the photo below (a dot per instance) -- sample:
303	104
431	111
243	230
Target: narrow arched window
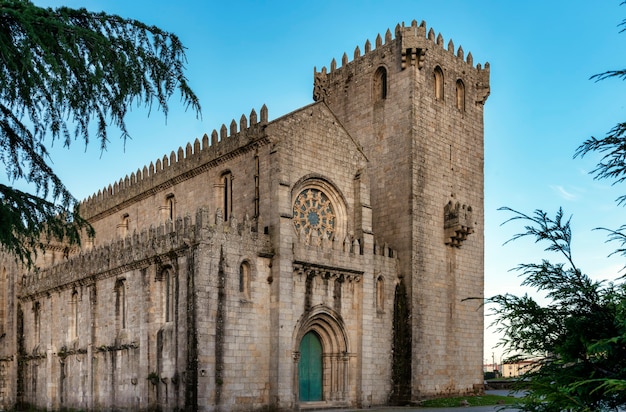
73	318
380	84
170	294
123	226
37	321
120	304
244	280
170	207
460	95
380	294
227	198
438	76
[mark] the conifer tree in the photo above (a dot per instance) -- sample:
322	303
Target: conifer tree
577	340
64	72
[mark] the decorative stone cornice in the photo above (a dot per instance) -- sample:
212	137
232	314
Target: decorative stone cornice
311	270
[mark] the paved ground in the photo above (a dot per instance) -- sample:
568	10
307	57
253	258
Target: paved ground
459	409
418	409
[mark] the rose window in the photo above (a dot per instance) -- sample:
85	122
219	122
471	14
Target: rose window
313	214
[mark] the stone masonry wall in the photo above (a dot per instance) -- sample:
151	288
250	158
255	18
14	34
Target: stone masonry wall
200	283
8	343
316	277
116	348
448	167
425	149
193	176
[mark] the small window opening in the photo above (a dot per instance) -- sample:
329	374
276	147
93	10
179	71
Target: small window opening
170	293
380	294
37	321
380	84
438	75
120	304
73	318
227	180
244	279
123	226
170	204
460	95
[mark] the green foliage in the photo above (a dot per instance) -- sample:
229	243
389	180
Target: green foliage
578	338
61	71
613	145
402	356
154	378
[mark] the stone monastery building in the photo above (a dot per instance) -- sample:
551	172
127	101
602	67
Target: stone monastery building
321	259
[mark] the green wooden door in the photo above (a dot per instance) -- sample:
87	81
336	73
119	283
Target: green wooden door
310	368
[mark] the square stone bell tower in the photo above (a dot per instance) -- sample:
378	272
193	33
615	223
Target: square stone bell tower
416	107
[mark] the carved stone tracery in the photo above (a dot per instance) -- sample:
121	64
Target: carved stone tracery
313	214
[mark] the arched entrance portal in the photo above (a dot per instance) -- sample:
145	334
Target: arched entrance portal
310	368
322	358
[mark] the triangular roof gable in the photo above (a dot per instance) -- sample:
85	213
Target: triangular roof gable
327	117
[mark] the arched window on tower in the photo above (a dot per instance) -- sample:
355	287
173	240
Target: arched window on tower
122	227
169	209
460	95
438	75
380	84
244	280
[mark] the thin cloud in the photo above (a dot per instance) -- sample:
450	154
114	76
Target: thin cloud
564	193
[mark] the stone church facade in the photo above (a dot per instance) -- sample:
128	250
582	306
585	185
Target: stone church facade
321	259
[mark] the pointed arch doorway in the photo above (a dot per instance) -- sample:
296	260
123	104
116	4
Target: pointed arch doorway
310	368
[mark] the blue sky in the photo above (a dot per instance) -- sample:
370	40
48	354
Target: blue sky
243	54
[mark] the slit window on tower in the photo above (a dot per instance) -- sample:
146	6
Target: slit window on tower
170	203
244	279
227	180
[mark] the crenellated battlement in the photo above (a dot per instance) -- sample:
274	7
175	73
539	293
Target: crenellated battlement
411	38
349	245
342	255
143	248
190	161
412	42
